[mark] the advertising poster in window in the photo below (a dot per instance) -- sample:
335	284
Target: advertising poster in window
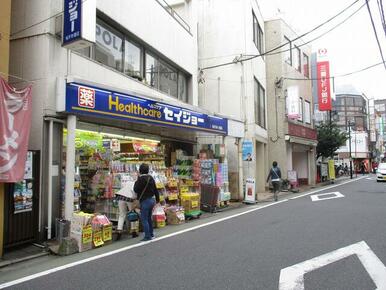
247	150
22	196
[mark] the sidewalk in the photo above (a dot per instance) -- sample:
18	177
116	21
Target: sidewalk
41	260
268	196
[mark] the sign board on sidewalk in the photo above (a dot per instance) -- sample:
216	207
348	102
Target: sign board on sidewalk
250	194
331	169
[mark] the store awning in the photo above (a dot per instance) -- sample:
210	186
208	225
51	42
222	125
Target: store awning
307	142
92	101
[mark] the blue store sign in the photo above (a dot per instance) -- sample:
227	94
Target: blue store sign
72	22
92	101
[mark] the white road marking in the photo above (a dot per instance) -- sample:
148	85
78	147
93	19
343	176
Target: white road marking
326	188
370	178
292	278
317	197
73	264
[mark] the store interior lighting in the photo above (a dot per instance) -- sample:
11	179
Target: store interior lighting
117	136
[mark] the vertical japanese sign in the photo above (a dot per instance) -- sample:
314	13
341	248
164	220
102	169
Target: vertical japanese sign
293	102
72	22
323	81
15	120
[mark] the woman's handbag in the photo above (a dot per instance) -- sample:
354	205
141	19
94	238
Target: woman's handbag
136	203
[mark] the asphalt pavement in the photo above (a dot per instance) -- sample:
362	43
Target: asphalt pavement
343	233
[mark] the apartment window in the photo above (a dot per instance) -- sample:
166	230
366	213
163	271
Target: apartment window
307	112
132	66
287	51
359	102
167	79
152	68
258	37
349	102
297	61
109	46
259	104
306	66
300	119
182	88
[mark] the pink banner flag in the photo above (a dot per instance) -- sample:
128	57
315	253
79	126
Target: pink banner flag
15	124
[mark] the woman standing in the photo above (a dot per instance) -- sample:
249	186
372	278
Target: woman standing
146	190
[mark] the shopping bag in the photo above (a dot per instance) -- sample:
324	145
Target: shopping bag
128	190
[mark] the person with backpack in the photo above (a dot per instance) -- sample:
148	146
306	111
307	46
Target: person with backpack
275	176
146	190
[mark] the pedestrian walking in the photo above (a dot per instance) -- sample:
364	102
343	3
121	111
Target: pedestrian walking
146	191
363	168
275	176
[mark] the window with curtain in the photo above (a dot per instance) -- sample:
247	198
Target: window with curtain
307	112
259	104
300	119
258	36
287	51
306	66
296	59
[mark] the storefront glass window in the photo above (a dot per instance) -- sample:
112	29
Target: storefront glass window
167	79
151	71
108	48
132	59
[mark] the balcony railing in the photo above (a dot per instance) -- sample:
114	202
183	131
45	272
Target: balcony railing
174	14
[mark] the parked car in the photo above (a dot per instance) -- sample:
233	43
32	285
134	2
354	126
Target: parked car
381	172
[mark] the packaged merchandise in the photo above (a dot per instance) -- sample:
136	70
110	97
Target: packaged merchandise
159	216
175	215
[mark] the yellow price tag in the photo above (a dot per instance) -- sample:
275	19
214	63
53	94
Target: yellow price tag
159	185
86	234
184	189
107	233
189	182
172	196
97	238
194	203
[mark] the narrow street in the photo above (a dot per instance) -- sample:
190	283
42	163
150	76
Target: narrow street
249	251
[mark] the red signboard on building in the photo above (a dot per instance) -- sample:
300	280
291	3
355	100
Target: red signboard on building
301	131
323	80
324	91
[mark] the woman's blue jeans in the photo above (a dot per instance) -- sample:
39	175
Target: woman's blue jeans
146	213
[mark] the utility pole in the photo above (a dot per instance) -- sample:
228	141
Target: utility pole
349	144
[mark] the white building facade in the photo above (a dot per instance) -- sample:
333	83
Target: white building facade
232	33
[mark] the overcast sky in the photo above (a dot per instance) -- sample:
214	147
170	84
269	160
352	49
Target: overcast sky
351	46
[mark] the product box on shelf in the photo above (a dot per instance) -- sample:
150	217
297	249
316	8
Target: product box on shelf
190	201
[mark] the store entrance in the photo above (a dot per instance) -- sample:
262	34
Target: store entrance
21	217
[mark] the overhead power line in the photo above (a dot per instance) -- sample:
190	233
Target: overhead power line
324	33
337	76
40	22
286	43
382	15
375	33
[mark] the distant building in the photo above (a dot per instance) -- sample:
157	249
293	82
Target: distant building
380	127
352	107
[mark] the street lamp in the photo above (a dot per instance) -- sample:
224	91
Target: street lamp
349	144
